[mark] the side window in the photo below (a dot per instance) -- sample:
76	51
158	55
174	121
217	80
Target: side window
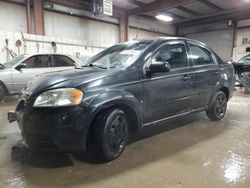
174	54
38	61
62	61
200	55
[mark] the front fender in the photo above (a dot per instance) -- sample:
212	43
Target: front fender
112	98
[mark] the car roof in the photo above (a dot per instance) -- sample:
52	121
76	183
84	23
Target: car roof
47	54
161	39
61	54
246	55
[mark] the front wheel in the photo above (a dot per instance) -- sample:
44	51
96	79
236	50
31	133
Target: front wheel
217	109
110	134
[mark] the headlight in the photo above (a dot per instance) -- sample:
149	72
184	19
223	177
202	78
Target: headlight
59	97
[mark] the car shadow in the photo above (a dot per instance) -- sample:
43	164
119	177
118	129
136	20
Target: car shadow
20	152
150	145
145	133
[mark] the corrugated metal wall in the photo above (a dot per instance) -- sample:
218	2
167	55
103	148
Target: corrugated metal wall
71	33
138	33
241	46
218	37
96	33
12	17
242	40
220	41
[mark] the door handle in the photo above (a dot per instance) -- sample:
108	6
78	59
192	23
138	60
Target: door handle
185	78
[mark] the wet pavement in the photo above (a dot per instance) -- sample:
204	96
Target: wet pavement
186	152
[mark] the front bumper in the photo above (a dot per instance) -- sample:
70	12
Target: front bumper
61	129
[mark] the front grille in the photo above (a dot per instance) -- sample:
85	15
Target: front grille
40	141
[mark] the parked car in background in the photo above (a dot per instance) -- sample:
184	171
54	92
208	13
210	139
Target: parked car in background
123	89
15	74
242	69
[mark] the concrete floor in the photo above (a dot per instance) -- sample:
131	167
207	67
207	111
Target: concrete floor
187	152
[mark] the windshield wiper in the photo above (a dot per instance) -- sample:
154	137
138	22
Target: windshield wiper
92	65
2	65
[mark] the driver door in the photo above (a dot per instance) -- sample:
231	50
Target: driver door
167	94
32	66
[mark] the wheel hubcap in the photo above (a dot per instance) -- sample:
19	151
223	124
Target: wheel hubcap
220	105
118	134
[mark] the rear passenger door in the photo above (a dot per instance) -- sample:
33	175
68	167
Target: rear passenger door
62	62
206	73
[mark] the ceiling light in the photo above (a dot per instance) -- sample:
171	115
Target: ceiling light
164	18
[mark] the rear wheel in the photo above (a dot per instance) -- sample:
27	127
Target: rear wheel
2	93
110	134
217	109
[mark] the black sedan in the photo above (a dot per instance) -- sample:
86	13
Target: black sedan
123	89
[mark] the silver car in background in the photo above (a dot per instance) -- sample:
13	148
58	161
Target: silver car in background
15	74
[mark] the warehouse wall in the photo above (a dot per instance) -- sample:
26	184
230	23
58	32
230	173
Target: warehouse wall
218	36
242	41
153	26
140	34
73	34
96	33
12	17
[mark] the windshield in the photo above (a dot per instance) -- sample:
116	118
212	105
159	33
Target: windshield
13	61
119	56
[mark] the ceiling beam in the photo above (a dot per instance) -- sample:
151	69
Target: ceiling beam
234	14
211	5
157	6
176	16
138	3
188	11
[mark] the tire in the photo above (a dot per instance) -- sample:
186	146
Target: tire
2	93
217	109
110	134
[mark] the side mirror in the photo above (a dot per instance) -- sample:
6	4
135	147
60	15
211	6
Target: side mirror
158	67
20	66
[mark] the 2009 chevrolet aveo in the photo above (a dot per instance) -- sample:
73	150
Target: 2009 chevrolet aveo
120	90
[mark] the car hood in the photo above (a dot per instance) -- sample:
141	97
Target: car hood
68	78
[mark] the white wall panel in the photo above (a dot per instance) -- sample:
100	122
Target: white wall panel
42	44
218	36
220	41
244	23
154	26
142	34
96	33
240	49
12	17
